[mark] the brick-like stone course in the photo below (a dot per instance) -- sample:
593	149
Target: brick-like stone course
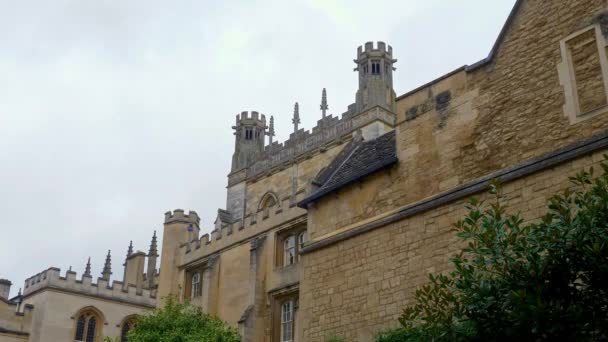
359	286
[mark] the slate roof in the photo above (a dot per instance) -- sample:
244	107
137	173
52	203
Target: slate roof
356	161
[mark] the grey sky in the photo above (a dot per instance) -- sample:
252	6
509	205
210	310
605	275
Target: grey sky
113	112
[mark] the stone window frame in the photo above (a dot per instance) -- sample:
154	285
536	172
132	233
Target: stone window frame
568	81
188	294
277	298
196	285
88	313
281	238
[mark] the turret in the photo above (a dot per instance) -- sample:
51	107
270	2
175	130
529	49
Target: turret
375	67
250	133
179	228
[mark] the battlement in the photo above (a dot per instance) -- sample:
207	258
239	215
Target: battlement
241	230
178	216
52	279
251	117
327	131
381	47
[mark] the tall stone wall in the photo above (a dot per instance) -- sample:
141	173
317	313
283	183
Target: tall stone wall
359	286
361	268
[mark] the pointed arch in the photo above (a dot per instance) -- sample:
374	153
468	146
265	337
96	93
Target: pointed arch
126	325
268	201
88	324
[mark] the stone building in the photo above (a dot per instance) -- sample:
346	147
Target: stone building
53	307
330	232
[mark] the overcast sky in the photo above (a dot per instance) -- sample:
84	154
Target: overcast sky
113	112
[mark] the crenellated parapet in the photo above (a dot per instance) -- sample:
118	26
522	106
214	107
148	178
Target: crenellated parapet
52	279
252	117
329	130
251	225
178	216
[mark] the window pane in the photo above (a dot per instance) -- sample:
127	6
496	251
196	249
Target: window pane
287	321
91	330
80	329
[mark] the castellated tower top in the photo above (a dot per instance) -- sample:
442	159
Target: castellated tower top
250	133
375	67
369	49
178	216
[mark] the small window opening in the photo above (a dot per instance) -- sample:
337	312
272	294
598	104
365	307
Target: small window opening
375	67
289	248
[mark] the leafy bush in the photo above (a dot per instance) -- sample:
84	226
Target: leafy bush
514	280
180	322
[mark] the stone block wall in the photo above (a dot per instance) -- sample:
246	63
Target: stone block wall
359	286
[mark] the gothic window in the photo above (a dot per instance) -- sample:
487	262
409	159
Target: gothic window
88	325
375	67
196	285
584	73
268	202
126	327
387	68
364	66
287	321
289	255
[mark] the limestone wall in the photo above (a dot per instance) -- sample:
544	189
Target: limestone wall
15	322
470	124
475	122
54	314
360	285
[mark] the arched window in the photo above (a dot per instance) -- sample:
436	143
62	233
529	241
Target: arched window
268	201
289	251
196	285
88	326
127	325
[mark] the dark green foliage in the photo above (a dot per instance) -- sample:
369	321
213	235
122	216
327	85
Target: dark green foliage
544	281
181	322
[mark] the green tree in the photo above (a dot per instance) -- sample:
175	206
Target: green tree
180	322
514	280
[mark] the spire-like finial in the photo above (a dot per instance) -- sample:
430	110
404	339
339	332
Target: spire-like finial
19	294
324	106
107	267
296	117
153	247
270	130
130	250
87	269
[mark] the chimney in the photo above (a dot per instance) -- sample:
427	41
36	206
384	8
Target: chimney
5	288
